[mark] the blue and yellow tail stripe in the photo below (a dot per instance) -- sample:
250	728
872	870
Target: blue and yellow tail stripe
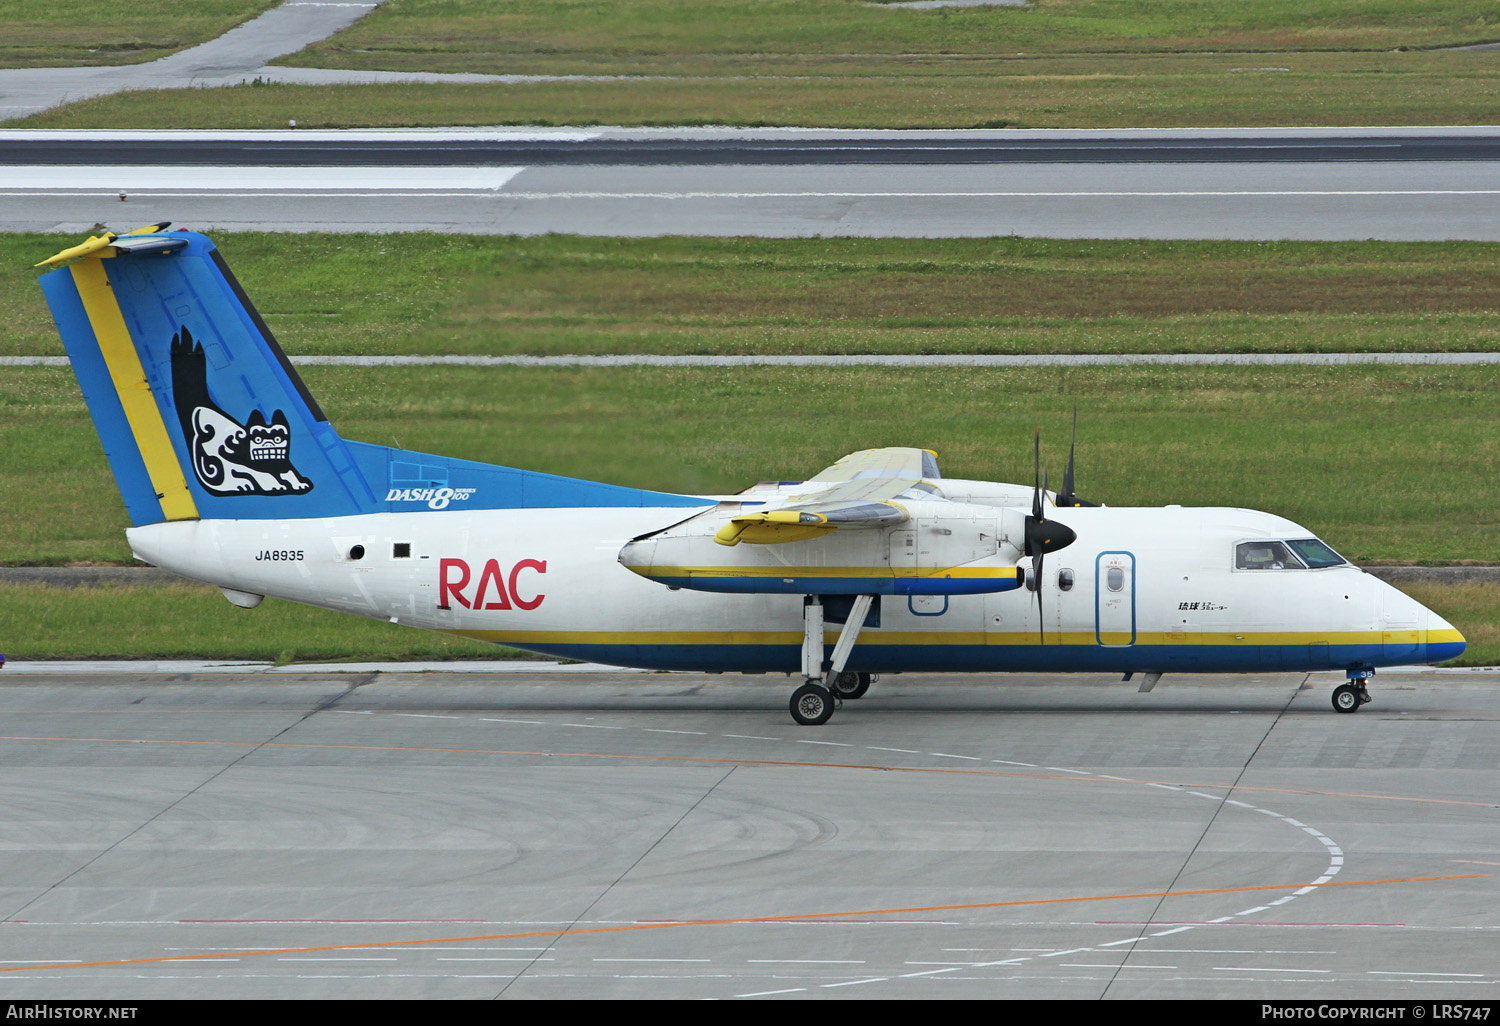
137	402
120	400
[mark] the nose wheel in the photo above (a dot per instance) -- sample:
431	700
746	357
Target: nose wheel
1347	698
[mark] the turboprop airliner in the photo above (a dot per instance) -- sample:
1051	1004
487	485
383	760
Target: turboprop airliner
232	475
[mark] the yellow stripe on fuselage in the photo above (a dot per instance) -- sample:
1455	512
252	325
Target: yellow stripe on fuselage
956	572
129	378
876	636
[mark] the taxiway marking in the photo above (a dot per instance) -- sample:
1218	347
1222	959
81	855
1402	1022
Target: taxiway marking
737	921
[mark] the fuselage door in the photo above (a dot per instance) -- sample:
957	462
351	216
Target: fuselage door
1114	599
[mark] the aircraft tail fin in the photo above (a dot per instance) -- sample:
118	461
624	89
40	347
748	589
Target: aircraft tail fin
203	416
200	411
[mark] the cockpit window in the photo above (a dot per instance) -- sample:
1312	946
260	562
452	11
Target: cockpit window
1314	553
1264	555
1299	554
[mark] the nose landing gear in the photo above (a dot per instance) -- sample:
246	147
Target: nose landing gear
1347	698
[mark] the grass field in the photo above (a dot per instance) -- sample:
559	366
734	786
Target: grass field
845	63
1385	463
66	33
1092	91
402	294
192	621
743	37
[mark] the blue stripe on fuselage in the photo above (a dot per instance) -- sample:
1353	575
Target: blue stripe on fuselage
1005	658
804	585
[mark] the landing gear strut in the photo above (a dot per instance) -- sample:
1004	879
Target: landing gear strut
813	703
1347	698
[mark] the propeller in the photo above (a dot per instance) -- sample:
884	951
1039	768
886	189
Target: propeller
1068	497
1043	535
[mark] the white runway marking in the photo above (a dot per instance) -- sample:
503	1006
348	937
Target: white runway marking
457	182
32	179
1031	194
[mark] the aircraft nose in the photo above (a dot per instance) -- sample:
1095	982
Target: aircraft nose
1444	641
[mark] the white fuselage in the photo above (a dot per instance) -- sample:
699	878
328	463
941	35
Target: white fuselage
1146	590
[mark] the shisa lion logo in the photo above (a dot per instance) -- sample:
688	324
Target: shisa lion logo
230	458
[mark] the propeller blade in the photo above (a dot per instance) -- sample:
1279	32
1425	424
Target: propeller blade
1043	535
1036	488
1068	496
1041	620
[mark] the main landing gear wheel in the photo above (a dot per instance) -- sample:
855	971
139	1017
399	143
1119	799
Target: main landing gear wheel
1347	698
849	684
811	705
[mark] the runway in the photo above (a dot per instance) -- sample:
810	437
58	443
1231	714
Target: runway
611	836
1389	183
584	147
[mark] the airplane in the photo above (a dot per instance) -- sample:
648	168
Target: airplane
232	475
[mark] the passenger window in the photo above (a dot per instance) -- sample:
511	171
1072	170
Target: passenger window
1114	579
1065	580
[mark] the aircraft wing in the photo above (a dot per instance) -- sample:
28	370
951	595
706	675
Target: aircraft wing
856	492
881	464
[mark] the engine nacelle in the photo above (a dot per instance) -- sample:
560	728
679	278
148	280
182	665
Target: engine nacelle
941	548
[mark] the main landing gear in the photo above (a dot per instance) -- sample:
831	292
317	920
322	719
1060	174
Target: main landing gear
1347	698
814	702
850	684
